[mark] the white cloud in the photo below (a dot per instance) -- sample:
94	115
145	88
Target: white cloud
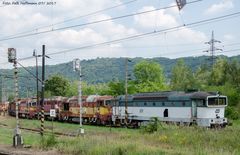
72	38
21	19
111	29
173	10
82	36
228	37
74	8
189	35
155	19
26	18
166	19
219	7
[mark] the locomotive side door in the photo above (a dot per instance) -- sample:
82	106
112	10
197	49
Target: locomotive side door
194	108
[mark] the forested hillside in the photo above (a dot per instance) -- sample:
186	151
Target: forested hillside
101	70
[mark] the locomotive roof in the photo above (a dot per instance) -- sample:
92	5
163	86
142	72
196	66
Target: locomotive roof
94	98
170	95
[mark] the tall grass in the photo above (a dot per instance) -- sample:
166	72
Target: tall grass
168	139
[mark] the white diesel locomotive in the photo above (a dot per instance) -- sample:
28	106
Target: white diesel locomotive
202	108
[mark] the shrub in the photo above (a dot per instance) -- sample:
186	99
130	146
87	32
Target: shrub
232	113
48	141
153	125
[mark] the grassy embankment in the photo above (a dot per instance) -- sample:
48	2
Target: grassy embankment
104	140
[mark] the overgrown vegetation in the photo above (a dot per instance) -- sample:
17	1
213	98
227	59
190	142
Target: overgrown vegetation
48	141
168	139
153	125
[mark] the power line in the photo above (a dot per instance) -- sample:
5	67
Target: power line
232	44
147	34
165	54
75	18
232	50
206	21
93	22
201	54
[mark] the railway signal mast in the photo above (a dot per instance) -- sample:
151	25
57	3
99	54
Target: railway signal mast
17	138
77	68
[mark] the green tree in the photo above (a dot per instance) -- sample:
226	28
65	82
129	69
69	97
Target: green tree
57	85
202	76
218	74
11	98
233	74
116	88
149	76
182	77
89	89
72	89
101	89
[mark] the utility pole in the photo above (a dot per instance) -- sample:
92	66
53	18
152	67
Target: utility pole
36	56
43	89
17	138
2	85
126	90
212	48
77	68
4	91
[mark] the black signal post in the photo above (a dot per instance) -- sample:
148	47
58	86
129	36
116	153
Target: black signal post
43	89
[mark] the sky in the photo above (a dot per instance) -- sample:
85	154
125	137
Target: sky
21	18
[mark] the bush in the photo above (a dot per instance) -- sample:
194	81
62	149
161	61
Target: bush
232	113
153	125
48	141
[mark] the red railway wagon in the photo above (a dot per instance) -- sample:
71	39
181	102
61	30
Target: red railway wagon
95	110
51	103
3	108
27	108
103	110
69	109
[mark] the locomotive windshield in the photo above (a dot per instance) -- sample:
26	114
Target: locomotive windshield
216	101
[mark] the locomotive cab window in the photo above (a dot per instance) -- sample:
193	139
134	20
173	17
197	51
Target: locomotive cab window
107	102
34	103
65	106
215	101
100	103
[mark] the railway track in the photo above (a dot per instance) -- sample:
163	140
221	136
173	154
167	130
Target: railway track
38	131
